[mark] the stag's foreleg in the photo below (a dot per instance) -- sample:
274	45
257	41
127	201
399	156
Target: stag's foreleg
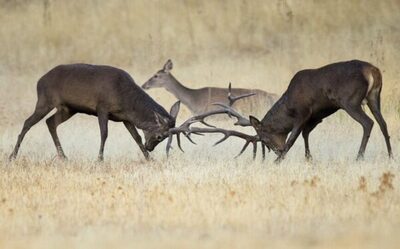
306	132
62	115
294	134
289	143
359	115
132	130
103	123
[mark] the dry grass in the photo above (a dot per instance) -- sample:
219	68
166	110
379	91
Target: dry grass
203	198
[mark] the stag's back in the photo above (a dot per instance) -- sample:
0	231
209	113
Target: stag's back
85	88
333	85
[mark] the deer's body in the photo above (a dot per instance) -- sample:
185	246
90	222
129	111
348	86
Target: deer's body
90	89
314	94
202	100
106	92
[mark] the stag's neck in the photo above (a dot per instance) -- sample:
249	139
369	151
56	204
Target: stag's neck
184	94
278	118
144	109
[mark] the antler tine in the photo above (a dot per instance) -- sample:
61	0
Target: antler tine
254	150
232	99
241	120
169	147
263	151
243	149
186	130
185	126
228	133
188	138
178	141
221	140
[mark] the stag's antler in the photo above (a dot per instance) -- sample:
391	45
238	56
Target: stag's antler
225	109
232	99
241	120
228	133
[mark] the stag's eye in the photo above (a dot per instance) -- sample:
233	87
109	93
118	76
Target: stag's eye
159	137
156	76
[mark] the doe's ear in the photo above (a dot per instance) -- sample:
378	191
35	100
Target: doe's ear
168	66
175	109
255	122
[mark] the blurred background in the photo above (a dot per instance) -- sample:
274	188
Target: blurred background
251	43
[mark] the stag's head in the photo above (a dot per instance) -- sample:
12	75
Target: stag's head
268	137
161	78
160	129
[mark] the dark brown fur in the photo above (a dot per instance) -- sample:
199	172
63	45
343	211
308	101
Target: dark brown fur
313	95
103	91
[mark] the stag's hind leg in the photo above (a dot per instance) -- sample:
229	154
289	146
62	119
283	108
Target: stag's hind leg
62	115
374	104
359	115
41	110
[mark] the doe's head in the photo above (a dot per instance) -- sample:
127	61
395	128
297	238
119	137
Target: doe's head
161	78
160	129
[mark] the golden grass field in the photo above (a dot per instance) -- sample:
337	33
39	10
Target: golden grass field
203	198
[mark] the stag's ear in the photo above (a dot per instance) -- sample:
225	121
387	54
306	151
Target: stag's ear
161	120
168	66
255	122
175	109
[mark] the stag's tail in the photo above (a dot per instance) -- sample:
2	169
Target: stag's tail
374	78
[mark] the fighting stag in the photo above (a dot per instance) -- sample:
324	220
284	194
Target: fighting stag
103	91
311	96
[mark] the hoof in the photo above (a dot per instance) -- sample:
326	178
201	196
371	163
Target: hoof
60	158
360	158
12	157
146	155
